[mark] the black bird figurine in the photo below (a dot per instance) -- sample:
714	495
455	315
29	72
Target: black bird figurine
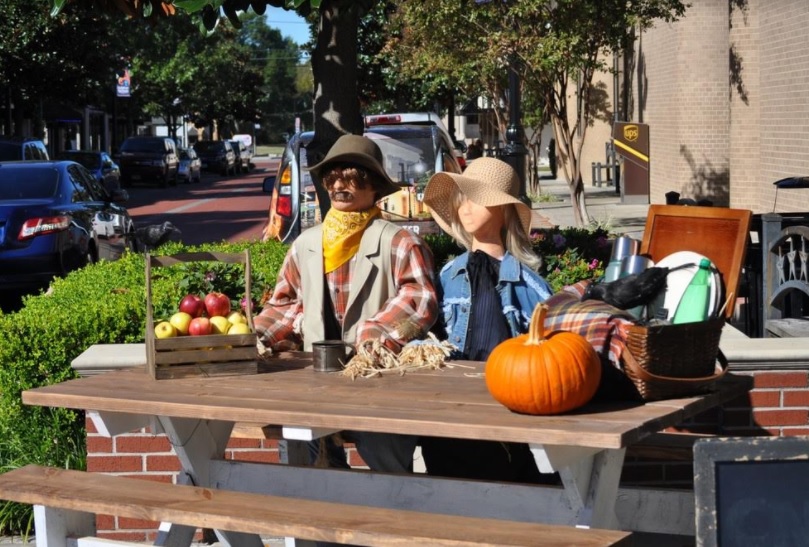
632	290
155	235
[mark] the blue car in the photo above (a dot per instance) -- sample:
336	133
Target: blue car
99	163
55	218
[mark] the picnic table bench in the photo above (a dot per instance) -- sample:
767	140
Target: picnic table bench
68	500
198	416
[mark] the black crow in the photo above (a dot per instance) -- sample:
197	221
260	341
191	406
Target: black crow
632	290
155	235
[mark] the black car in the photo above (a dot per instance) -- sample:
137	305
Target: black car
22	148
216	156
146	159
54	218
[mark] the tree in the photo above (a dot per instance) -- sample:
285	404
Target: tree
557	47
36	71
334	55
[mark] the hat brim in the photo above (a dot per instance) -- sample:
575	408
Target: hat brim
439	189
386	185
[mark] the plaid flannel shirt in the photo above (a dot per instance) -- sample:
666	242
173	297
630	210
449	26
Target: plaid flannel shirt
415	300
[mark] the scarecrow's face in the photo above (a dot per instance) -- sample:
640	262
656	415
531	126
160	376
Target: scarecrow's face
482	223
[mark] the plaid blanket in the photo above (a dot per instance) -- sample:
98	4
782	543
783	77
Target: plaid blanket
604	326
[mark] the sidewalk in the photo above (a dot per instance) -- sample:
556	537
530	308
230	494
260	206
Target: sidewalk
603	205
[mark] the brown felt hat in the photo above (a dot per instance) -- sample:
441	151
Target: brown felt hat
361	151
486	181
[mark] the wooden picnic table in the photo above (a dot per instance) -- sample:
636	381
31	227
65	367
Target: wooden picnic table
586	446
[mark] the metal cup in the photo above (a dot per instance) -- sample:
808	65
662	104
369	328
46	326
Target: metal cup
330	355
624	246
634	264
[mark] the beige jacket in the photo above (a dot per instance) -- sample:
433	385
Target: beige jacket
372	284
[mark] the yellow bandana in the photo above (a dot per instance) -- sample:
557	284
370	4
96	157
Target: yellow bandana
342	233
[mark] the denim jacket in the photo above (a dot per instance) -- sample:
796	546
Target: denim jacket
520	288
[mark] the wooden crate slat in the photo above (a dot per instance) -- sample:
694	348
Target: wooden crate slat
211	355
204	355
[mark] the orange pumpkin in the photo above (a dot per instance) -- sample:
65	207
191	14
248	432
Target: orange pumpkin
538	374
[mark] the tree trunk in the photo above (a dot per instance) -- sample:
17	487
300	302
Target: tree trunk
334	66
569	160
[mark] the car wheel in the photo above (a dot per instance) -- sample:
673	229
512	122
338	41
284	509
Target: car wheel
164	180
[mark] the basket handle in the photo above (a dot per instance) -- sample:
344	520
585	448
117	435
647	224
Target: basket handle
646	376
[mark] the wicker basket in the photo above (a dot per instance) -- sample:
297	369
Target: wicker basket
671	361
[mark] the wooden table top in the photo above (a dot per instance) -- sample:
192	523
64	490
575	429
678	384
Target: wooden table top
451	402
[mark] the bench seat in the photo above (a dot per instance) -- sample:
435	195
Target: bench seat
81	492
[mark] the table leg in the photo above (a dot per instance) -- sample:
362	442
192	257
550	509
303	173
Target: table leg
590	478
196	443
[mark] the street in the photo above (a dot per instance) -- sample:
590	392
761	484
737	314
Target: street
219	208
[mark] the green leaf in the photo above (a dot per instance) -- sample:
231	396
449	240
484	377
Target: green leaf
191	6
57	6
147	10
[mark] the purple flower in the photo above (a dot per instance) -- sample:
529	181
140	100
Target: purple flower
558	240
593	264
602	241
210	277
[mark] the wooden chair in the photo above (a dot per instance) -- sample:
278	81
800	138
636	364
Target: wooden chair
718	233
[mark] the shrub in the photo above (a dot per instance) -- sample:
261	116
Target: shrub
101	304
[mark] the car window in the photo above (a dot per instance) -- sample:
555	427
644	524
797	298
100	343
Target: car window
29	152
81	188
41	151
39	183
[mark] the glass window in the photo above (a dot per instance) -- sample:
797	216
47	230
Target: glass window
39	183
81	189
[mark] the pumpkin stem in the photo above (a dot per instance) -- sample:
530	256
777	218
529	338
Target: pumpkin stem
536	331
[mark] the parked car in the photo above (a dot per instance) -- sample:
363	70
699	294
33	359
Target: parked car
22	148
216	156
420	118
244	155
190	166
55	218
145	159
100	164
413	153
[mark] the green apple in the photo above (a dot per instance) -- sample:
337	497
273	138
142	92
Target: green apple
181	321
239	328
164	329
237	317
219	325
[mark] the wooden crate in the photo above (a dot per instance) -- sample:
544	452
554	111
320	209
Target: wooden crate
211	355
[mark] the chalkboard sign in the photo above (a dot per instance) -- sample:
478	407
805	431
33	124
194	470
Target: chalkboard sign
752	491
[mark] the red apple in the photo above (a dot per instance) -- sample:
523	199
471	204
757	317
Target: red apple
192	305
200	326
217	303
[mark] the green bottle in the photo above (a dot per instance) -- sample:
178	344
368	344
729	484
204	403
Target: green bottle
693	305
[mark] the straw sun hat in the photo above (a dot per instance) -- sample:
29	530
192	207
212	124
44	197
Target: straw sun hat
486	181
361	151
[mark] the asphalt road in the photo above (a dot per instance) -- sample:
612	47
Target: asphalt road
218	208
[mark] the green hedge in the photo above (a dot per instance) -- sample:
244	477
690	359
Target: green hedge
105	304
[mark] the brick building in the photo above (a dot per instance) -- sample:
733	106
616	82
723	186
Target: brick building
724	93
